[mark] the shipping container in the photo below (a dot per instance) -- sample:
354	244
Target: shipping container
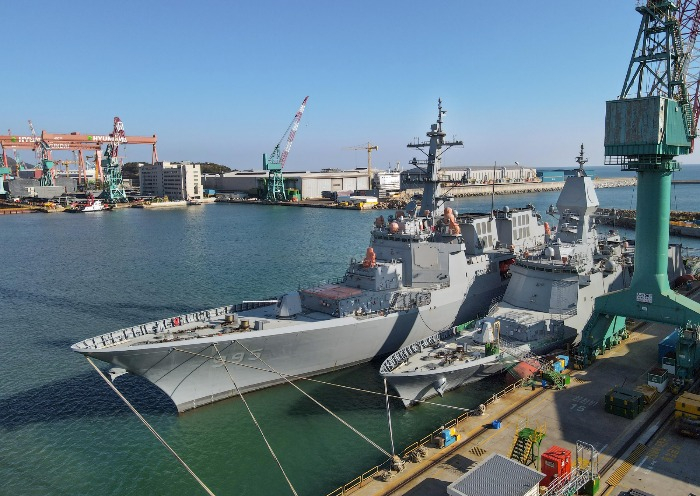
658	378
629	412
668	345
556	462
688	405
625	398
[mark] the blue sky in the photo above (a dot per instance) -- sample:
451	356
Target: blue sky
220	81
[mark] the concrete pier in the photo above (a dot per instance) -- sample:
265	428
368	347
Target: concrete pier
644	453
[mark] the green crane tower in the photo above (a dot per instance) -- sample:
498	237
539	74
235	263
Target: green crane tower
649	125
275	164
113	190
47	164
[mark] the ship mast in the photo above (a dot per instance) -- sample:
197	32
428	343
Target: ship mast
432	193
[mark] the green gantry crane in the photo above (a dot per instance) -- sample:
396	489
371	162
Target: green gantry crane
650	124
275	163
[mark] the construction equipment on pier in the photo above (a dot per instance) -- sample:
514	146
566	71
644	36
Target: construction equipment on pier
651	123
275	164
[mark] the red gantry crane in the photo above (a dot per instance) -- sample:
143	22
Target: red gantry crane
688	16
79	142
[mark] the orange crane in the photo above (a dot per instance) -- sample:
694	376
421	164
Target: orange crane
74	142
14	143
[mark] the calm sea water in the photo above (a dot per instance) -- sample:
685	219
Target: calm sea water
68	277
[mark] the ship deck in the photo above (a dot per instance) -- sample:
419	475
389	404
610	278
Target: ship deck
448	353
253	317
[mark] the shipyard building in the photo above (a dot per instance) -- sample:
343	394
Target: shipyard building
473	175
310	185
176	180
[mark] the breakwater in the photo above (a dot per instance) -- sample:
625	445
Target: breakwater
461	191
682	223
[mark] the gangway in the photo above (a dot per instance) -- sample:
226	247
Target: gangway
526	443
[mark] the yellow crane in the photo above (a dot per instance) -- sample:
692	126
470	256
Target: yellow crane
370	148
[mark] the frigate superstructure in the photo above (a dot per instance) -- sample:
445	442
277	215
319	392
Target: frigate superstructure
425	269
548	302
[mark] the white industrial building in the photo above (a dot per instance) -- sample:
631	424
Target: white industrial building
310	184
176	180
474	175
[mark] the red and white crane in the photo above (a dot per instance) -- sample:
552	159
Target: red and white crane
275	181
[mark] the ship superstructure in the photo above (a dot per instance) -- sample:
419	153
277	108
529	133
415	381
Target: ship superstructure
548	302
425	269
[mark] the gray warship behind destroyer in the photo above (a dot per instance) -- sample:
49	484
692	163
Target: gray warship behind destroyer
547	304
425	270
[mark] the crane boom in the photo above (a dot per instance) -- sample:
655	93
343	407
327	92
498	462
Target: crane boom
688	16
294	126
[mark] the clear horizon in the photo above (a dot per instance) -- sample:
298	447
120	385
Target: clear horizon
221	81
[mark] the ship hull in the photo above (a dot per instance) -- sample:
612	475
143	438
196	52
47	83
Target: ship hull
420	386
193	374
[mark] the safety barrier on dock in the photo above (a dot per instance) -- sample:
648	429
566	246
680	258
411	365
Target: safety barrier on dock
360	480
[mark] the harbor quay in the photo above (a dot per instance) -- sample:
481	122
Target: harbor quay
643	454
399	200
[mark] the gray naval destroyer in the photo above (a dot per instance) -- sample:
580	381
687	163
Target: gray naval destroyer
425	270
546	306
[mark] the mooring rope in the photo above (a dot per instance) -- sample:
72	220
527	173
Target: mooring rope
319	404
153	431
255	421
351	388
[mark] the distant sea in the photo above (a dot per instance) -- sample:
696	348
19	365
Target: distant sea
69	277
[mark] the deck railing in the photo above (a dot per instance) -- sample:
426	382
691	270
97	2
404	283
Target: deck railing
164	325
371	473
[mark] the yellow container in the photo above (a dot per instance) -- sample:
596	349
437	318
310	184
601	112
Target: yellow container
688	404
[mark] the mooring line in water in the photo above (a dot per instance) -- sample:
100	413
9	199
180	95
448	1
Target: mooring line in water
153	431
319	404
250	412
325	383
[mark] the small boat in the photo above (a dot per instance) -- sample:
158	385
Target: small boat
89	205
191	203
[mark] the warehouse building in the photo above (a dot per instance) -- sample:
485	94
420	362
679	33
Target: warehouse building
311	185
473	175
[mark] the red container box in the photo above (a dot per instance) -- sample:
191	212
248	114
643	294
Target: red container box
555	462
